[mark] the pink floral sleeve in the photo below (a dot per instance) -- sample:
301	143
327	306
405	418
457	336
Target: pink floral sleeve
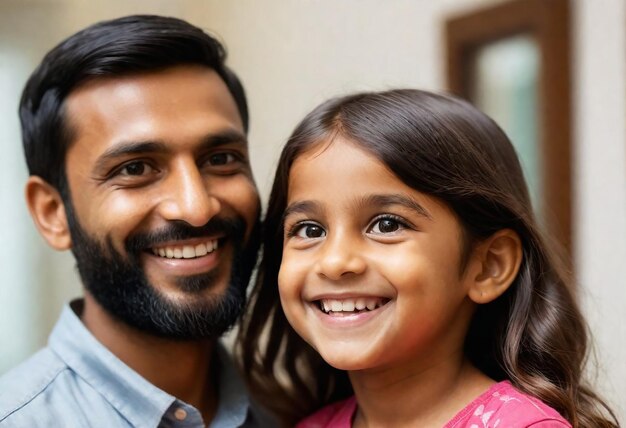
502	406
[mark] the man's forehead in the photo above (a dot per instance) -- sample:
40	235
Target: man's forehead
151	105
170	77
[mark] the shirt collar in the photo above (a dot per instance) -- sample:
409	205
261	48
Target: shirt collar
140	402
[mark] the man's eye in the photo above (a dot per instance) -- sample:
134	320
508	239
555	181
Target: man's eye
386	225
309	231
218	159
135	169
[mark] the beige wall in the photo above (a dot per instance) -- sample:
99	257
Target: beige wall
600	179
294	54
291	55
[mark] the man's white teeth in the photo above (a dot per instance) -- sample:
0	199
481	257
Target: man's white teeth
186	251
201	250
350	305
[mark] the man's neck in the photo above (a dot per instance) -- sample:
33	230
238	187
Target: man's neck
180	368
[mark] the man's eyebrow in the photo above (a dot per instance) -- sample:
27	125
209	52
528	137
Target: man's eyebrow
130	148
302	207
229	136
396	199
149	146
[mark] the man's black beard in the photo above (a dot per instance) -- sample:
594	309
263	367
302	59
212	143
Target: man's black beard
121	287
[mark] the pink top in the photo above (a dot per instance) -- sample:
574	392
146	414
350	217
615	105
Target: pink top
500	406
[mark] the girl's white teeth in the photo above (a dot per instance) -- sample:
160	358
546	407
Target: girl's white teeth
186	251
347	306
350	305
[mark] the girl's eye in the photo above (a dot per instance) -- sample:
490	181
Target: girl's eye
386	225
309	231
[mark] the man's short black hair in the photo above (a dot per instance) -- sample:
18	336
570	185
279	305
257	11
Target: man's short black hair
139	43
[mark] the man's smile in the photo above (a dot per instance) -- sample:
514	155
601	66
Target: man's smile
186	257
186	251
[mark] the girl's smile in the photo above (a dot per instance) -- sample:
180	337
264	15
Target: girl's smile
349	312
371	270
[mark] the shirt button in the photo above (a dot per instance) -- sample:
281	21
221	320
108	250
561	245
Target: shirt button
180	414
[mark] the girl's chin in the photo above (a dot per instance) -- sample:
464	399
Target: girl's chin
347	362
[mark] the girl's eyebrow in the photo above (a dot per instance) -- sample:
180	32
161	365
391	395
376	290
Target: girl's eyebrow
384	200
302	207
379	200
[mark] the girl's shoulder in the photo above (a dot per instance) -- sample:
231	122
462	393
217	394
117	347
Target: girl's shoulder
504	406
336	415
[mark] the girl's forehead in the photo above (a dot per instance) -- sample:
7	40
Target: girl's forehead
333	153
334	149
318	147
341	168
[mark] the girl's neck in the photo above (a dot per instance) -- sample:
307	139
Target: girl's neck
409	395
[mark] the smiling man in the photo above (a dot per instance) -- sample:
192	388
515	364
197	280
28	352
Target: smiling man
134	133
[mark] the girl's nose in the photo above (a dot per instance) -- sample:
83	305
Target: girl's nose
339	258
187	196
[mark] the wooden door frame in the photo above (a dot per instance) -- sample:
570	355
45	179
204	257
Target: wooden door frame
547	21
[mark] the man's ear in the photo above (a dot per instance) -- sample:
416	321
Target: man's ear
497	261
48	211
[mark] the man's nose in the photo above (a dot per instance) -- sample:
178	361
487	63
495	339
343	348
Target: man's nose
340	257
187	196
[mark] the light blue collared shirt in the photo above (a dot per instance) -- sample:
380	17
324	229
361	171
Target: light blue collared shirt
76	382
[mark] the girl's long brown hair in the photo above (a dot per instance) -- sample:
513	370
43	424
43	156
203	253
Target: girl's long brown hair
533	335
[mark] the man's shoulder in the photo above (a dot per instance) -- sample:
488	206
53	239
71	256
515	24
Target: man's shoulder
25	382
43	391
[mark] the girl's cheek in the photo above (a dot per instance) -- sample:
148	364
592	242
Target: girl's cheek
281	275
286	279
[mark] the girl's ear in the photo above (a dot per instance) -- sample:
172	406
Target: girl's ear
48	211
497	261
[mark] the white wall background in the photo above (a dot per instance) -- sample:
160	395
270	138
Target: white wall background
292	54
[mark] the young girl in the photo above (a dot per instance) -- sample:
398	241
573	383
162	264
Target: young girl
401	243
